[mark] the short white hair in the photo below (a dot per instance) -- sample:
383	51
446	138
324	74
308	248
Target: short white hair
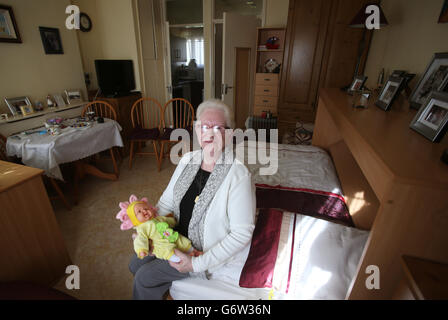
218	105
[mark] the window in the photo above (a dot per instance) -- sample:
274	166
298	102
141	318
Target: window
195	50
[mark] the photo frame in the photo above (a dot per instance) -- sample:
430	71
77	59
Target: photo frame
432	119
26	110
51	40
389	92
59	100
435	78
443	18
9	32
73	96
357	84
14	104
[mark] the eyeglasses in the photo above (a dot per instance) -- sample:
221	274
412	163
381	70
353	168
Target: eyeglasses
216	129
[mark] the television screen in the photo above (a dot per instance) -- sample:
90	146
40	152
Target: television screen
115	77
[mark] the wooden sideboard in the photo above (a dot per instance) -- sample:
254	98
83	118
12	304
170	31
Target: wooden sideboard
32	248
122	106
395	184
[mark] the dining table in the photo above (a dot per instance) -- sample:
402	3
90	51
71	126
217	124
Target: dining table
76	140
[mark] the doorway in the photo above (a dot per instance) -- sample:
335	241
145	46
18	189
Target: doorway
186	47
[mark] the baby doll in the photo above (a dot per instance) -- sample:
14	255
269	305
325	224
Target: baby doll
150	226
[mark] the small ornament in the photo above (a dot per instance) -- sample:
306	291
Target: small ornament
270	43
50	102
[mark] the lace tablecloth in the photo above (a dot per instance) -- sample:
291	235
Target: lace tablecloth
47	152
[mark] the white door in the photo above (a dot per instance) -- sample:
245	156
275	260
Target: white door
167	62
238	32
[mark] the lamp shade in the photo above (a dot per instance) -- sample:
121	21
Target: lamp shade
359	21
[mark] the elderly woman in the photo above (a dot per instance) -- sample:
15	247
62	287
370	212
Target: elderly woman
213	199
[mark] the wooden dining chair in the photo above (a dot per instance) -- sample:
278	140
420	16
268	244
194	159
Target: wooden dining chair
104	110
146	117
182	118
4	157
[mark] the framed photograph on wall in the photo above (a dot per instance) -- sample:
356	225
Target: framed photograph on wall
14	104
51	40
435	78
432	119
389	92
357	84
9	32
443	18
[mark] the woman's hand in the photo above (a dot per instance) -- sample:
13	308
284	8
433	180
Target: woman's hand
184	265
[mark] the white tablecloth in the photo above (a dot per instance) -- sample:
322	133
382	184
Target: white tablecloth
48	152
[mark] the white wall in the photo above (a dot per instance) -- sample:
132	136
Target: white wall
25	69
409	41
276	13
113	35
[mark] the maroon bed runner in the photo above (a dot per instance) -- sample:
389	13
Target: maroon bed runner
309	202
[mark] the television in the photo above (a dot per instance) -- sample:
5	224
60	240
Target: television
115	77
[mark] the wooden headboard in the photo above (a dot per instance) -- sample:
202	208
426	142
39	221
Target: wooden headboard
394	182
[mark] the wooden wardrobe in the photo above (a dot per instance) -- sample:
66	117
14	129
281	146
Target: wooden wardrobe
321	50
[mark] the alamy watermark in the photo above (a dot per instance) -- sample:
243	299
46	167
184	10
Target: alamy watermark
72	21
250	147
73	280
373	280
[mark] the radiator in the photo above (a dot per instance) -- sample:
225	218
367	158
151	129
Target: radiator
256	123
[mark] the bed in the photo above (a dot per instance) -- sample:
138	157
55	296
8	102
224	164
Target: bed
394	186
304	245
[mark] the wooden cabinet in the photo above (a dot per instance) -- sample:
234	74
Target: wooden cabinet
396	172
320	50
267	83
31	245
122	106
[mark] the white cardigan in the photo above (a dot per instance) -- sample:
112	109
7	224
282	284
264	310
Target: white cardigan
229	221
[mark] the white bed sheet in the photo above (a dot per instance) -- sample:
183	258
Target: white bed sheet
299	166
326	254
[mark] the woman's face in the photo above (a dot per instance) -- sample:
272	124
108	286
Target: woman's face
210	130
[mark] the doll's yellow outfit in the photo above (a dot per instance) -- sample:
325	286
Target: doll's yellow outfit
163	239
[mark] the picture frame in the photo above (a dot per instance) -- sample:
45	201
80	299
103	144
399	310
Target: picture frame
73	96
357	84
443	18
26	110
51	40
9	32
431	120
14	104
398	73
435	78
59	100
389	92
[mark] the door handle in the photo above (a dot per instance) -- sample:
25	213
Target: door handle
170	89
225	88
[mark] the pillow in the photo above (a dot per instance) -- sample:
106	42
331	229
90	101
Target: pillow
302	257
144	134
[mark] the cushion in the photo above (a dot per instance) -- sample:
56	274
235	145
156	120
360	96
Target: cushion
302	257
302	134
167	133
144	134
